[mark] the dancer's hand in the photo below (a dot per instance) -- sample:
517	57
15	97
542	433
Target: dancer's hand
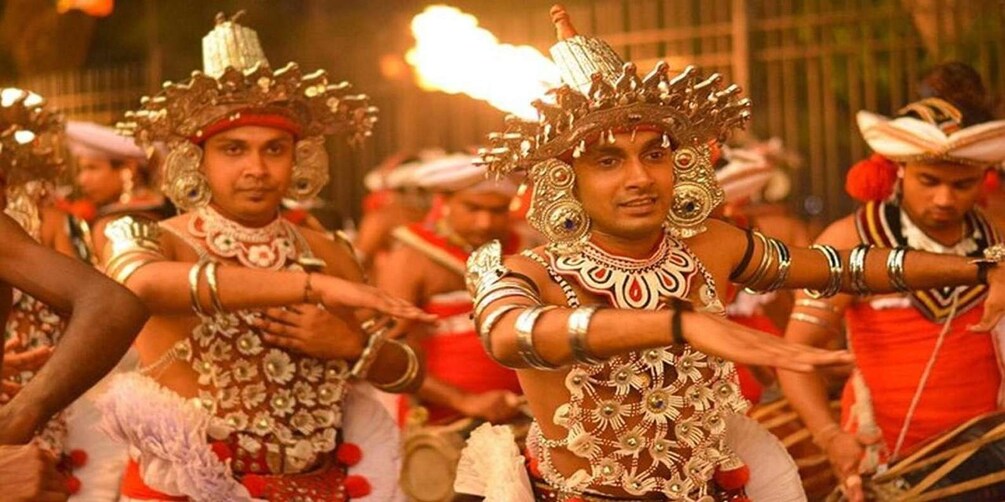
27	473
737	343
845	452
15	362
336	293
994	304
496	406
314	331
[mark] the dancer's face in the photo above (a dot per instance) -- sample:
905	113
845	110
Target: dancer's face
249	169
626	187
478	217
937	196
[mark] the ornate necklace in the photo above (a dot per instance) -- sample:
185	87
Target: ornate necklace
629	283
268	247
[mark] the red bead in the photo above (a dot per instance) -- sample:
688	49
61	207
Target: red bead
357	486
221	450
255	485
73	484
78	458
732	479
349	454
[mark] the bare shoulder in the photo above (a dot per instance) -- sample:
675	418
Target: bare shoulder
337	254
842	233
15	239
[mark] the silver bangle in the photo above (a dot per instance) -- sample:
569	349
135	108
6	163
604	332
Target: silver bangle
784	262
856	270
524	326
817	304
485	327
361	368
579	324
895	269
762	267
498	292
814	320
193	286
833	286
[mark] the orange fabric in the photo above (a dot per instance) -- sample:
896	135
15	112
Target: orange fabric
134	487
460	360
750	386
892	347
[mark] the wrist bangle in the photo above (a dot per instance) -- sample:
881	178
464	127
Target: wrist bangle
193	287
524	327
214	287
361	368
836	270
677	309
308	289
856	269
411	371
823	437
579	325
895	269
992	257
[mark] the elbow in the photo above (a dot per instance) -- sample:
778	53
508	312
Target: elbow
503	350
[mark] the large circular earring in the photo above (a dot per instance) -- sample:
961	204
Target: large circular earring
128	185
310	169
554	210
184	182
696	192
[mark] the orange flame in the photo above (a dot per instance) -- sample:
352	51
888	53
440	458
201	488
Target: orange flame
454	55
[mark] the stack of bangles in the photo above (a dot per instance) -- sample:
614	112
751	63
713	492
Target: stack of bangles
377	330
205	268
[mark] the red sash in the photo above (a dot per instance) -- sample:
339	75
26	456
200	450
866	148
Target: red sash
892	347
454	354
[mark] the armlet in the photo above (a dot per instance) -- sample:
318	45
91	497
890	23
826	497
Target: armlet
132	243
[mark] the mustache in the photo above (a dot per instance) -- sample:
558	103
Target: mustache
255	187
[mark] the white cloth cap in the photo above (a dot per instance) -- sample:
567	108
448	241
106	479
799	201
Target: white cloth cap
746	174
87	139
454	172
905	139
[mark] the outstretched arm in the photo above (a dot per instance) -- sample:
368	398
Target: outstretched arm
505	316
104	319
135	257
773	265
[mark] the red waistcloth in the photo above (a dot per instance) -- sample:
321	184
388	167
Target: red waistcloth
458	359
750	386
325	484
892	347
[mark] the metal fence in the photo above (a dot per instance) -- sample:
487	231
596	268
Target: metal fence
96	95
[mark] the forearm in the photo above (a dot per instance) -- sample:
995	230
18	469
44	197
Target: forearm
104	322
165	287
811	269
438	392
396	369
610	332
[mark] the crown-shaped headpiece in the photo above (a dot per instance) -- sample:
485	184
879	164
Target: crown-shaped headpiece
31	136
237	78
602	94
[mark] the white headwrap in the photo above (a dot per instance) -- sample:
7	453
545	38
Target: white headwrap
746	174
936	133
87	139
454	172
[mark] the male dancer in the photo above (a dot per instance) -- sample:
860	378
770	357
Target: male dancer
103	319
239	402
916	361
635	401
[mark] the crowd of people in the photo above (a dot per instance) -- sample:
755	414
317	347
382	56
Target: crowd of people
593	306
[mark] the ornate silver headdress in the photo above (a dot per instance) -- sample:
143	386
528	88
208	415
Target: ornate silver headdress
237	81
601	95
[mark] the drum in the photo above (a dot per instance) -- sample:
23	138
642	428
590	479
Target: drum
814	469
431	453
965	464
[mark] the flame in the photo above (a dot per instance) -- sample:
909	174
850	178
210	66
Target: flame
454	55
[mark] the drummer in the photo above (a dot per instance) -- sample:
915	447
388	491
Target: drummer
427	268
920	372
